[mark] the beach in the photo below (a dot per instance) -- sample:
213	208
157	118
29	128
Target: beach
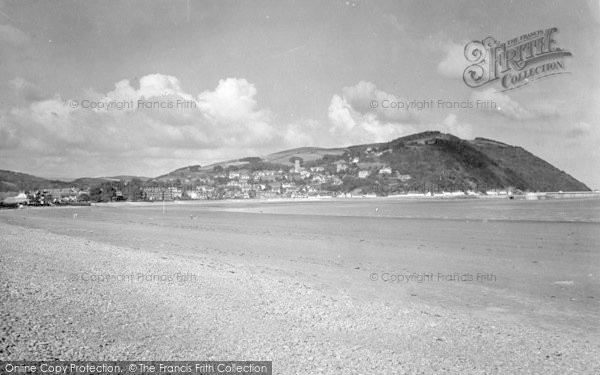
353	287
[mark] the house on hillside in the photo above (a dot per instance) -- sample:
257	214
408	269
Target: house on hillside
385	170
341	166
363	174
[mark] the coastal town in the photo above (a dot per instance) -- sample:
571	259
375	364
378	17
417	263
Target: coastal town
253	178
364	172
429	164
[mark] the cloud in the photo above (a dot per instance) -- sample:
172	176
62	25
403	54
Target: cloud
509	108
580	130
51	133
354	121
451	125
361	96
12	35
25	90
151	86
219	123
305	133
454	62
233	100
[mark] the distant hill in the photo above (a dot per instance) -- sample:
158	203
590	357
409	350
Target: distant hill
527	169
446	161
86	182
425	161
306	153
276	160
432	159
15	181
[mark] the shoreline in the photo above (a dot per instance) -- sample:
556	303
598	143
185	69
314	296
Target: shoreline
591	196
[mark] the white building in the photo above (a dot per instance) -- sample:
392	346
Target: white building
340	166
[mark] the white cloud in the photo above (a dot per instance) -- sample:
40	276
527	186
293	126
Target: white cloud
224	122
581	130
151	86
507	107
364	93
354	121
454	62
340	115
305	133
25	90
233	100
453	126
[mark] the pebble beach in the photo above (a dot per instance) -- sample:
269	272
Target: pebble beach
314	293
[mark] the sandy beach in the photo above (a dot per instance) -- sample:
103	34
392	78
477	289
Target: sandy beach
320	288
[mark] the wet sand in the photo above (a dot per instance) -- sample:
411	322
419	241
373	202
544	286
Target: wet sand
313	292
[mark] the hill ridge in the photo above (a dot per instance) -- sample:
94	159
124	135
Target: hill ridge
425	161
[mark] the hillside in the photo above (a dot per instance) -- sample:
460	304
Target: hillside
535	172
306	153
15	181
86	182
428	161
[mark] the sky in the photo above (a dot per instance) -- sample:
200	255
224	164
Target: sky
96	88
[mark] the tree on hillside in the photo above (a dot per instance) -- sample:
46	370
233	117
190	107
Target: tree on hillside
251	159
134	189
103	192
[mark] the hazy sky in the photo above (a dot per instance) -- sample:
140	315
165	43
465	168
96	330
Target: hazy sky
269	75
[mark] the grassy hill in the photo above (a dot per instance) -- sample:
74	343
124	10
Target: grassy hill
525	167
15	181
433	160
86	182
424	161
444	162
306	153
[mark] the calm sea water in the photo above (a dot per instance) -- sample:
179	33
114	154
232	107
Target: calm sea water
568	210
